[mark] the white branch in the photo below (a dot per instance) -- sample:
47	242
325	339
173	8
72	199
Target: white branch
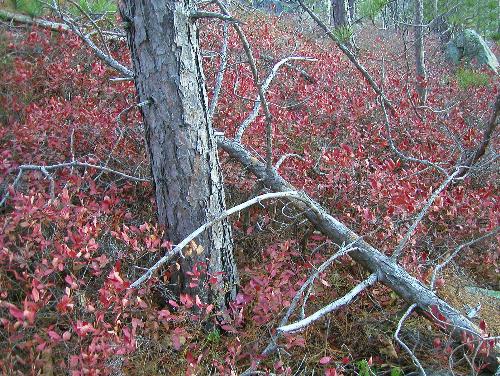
179	247
45	170
222	69
264	86
420	216
346	299
403	345
457	251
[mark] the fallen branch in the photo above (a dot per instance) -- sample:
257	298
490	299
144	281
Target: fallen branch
21	18
387	271
487	135
306	76
403	345
264	86
45	170
346	299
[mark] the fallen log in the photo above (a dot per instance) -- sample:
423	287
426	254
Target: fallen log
388	272
21	18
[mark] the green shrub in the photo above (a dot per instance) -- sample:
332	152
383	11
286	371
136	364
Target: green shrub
371	8
32	8
98	6
343	33
467	78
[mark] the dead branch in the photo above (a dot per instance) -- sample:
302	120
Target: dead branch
403	345
481	150
349	55
255	73
457	250
306	76
45	170
388	272
346	299
399	248
202	14
264	86
222	69
21	18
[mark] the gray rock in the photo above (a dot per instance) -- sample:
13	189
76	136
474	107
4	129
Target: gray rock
470	47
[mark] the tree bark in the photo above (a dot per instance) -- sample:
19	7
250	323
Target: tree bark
342	12
183	152
419	52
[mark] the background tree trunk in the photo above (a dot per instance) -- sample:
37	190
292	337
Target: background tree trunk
419	52
343	11
182	149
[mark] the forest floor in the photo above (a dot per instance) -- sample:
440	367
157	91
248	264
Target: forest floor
66	261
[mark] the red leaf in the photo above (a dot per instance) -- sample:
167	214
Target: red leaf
325	360
16	312
331	372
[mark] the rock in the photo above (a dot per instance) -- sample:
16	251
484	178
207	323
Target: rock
471	47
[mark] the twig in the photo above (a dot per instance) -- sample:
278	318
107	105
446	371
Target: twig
457	251
284	157
400	153
399	249
202	14
272	346
222	69
264	86
349	55
403	345
346	299
45	170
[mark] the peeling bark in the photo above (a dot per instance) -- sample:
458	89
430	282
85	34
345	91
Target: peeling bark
181	144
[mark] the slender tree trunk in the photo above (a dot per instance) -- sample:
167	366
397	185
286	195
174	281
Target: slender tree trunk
182	149
341	12
419	52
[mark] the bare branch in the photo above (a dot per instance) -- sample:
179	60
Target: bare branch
306	76
457	251
255	73
346	299
202	14
222	69
272	346
284	157
388	272
403	345
401	154
264	86
45	170
487	135
349	55
399	249
110	61
179	247
94	24
21	18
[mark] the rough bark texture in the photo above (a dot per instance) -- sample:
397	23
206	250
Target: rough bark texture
419	51
183	151
388	272
343	12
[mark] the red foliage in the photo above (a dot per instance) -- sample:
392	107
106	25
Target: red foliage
65	264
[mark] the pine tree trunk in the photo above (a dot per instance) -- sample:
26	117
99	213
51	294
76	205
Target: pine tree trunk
182	149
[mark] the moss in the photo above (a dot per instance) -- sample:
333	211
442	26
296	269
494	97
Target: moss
467	78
